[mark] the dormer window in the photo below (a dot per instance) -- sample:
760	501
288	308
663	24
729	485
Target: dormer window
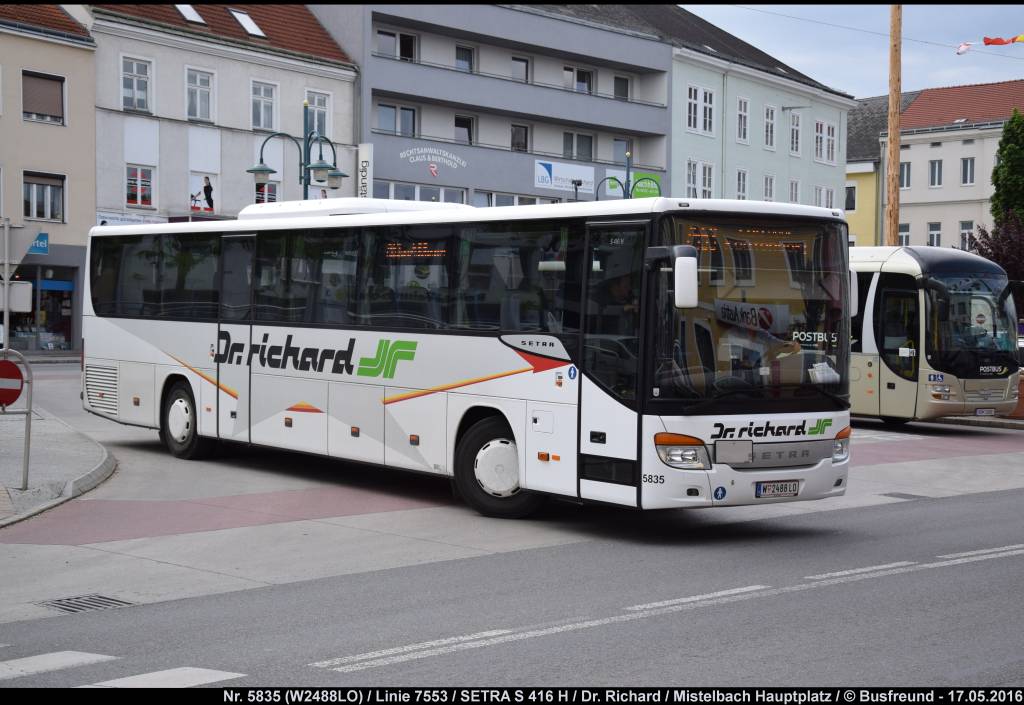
959	121
248	24
190	14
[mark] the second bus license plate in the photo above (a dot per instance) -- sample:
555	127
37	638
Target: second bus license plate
778	488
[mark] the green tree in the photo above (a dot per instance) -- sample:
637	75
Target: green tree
1008	176
1004	245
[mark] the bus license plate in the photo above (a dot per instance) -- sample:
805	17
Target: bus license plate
779	488
984	412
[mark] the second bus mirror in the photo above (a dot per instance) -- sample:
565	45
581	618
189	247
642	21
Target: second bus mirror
686	282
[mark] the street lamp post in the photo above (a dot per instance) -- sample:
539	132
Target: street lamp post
315	171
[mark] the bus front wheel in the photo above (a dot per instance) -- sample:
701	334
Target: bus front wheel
179	425
487	472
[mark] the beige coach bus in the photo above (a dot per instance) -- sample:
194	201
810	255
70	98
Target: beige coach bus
934	335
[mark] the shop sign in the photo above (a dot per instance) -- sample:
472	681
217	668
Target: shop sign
41	245
364	170
433	156
114	218
559	177
641	189
773	318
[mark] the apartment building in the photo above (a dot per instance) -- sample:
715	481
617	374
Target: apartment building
47	163
502	105
187	95
948	143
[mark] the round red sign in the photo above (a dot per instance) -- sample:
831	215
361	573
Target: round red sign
980	319
11	383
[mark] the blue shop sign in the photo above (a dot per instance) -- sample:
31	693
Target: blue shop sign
41	246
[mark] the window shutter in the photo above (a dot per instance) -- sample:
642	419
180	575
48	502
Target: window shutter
43	95
43	179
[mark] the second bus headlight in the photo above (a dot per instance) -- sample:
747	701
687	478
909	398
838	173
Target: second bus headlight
841	446
683	452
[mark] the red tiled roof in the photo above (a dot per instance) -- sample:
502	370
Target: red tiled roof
985	102
46	17
290	28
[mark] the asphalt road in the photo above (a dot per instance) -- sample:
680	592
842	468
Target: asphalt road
914	581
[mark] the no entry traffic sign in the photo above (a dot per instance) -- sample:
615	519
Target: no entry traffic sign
11	382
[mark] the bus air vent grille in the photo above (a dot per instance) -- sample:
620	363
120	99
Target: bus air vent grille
101	388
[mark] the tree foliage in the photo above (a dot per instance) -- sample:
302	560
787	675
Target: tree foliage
1008	176
1004	245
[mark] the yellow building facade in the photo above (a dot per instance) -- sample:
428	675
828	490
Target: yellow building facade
864	217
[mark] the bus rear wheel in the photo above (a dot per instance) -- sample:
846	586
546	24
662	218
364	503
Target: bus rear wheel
179	425
487	472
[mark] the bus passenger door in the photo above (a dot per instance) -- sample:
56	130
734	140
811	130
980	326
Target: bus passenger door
610	362
898	336
864	359
234	337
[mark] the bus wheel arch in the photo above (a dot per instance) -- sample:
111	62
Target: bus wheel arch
485	438
179	420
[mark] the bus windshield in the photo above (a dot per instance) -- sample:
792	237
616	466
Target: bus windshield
971	331
771	331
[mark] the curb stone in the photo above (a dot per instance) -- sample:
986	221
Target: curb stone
986	422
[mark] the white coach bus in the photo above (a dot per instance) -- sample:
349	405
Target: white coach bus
650	353
935	335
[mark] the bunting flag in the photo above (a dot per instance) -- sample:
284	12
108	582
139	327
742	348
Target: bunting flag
962	49
989	41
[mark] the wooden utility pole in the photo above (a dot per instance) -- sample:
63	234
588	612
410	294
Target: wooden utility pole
892	160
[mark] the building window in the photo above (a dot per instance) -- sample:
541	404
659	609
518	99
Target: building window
769	127
830	198
708	112
319	108
464	59
830	143
520	138
396	120
742	261
577	146
691	178
904	174
520	69
819	196
200	88
819	141
935	234
794	134
621	88
620	146
139	186
263	105
135	77
967	171
692	96
464	129
43	196
935	172
707	180
267	193
851	198
417	192
42	98
579	80
397	45
967	241
700	110
248	23
486	199
903	235
742	120
741	184
769	187
794	191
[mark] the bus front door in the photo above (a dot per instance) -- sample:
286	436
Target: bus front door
234	337
898	347
609	468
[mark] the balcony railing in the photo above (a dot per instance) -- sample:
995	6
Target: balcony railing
506	148
500	77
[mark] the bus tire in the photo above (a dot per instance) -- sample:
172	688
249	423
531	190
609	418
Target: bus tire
179	425
894	421
483	475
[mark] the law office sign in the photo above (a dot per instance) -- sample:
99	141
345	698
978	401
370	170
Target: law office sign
558	176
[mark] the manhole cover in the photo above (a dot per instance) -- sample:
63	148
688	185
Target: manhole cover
85	603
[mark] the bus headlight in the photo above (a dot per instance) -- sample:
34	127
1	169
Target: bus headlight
841	446
940	388
683	452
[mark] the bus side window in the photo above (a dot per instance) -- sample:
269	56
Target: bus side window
857	322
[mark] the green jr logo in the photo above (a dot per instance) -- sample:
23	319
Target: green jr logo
819	428
388	355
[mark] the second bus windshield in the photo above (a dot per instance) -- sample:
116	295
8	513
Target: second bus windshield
771	328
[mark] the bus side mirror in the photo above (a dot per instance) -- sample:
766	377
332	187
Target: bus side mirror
686	282
854	294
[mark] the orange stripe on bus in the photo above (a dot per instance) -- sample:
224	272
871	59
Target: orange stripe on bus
453	385
223	387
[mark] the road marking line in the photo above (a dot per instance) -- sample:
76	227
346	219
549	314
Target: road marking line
982	551
330	663
869	569
171	678
697	598
48	662
467	643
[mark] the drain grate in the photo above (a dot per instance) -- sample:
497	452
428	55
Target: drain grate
85	603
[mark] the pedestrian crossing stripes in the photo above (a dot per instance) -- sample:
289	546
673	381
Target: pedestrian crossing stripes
185	677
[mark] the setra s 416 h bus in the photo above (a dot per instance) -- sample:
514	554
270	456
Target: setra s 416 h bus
648	353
